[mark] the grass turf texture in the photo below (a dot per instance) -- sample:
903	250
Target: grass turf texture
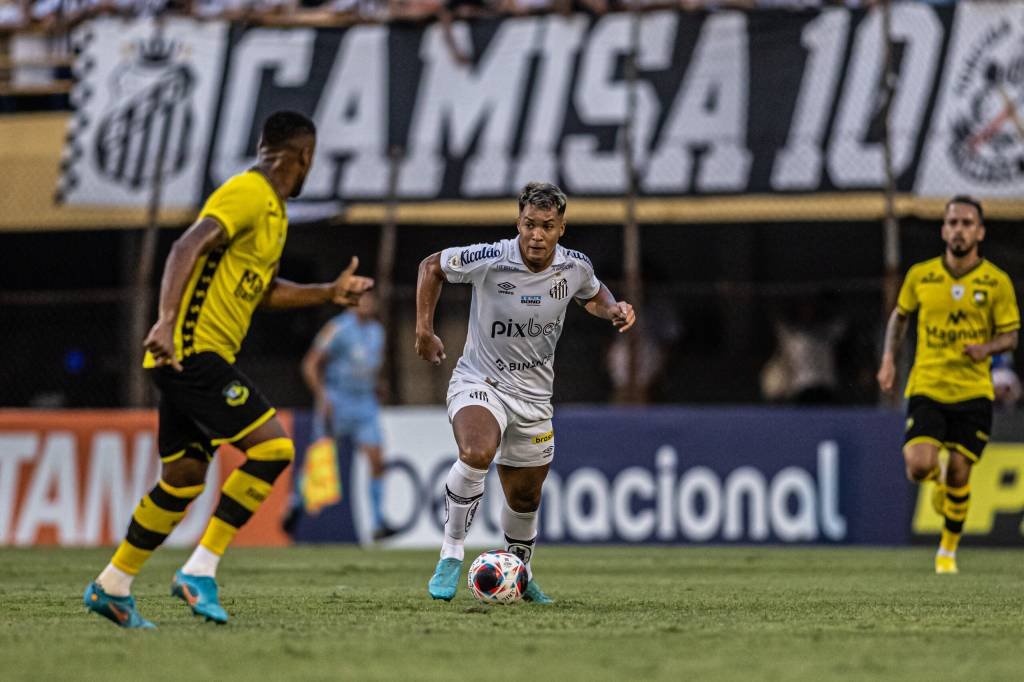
333	613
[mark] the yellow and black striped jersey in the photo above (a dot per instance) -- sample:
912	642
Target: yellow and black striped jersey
229	282
953	312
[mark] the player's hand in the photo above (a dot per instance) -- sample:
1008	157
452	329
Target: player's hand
623	316
976	351
430	348
349	286
886	375
160	343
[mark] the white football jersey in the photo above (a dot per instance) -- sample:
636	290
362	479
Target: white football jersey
516	315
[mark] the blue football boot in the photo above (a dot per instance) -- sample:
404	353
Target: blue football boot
120	610
200	593
445	579
534	594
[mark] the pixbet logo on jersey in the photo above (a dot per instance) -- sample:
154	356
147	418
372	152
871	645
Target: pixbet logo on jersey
517	330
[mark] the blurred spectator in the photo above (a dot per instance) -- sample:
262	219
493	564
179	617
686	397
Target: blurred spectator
13	14
1005	381
657	331
803	368
414	10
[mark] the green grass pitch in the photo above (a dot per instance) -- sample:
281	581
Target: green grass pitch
623	613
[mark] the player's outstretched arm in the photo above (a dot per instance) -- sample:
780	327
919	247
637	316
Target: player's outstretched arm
428	291
605	306
345	291
202	237
1000	343
895	331
314	364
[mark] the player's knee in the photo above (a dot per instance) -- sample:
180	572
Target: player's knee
918	470
273	450
524	501
268	460
476	455
184	472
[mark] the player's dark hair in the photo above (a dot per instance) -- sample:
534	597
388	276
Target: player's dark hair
281	127
542	195
970	201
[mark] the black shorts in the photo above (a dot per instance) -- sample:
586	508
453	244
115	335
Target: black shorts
963	426
207	404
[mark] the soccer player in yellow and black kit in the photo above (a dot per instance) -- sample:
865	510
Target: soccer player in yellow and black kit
218	272
966	313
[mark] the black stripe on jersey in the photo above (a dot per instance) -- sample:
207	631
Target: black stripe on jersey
195	303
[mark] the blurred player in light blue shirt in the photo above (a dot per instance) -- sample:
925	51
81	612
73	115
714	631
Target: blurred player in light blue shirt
342	370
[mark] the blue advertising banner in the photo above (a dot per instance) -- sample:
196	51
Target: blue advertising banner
652	475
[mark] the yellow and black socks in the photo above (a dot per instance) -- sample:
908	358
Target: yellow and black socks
153	520
955	510
242	494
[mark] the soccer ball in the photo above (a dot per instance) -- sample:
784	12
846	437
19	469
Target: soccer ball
497	577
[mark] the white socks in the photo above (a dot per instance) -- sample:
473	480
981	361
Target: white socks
203	562
115	582
520	534
462	492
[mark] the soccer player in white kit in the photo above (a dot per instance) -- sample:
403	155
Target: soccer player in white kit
499	398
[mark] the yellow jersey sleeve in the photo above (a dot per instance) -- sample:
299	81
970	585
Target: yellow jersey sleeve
907	302
1005	314
233	205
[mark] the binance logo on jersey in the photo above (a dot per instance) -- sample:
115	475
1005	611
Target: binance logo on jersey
235	393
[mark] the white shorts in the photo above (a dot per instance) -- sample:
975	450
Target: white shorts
527	436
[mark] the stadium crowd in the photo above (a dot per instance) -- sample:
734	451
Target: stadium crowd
18	15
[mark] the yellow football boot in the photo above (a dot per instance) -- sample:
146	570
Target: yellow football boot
945	564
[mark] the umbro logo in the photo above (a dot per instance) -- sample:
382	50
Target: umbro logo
506	288
932	278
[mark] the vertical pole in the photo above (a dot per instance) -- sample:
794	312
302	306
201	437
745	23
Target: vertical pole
890	223
631	247
385	274
137	393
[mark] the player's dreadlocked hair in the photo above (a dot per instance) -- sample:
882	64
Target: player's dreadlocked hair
282	127
542	195
970	201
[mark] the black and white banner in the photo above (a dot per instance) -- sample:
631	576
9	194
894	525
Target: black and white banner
726	103
143	92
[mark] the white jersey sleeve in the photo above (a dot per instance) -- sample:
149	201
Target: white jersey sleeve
589	284
468	264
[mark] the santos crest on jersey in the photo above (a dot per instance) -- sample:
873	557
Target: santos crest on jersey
516	315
